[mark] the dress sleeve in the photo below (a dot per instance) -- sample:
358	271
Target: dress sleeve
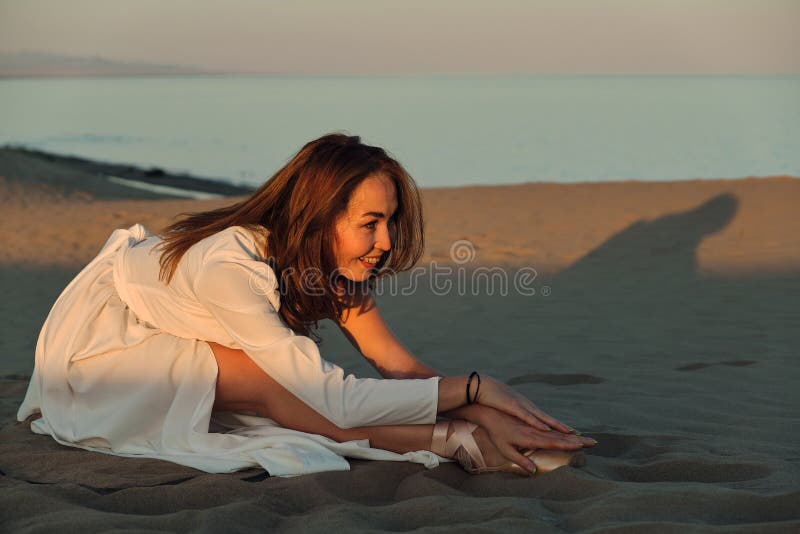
235	292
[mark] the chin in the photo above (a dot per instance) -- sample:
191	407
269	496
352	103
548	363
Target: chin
354	276
354	284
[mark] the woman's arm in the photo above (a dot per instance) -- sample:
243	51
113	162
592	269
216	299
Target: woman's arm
232	289
369	333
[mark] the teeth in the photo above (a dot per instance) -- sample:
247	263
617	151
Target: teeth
370	260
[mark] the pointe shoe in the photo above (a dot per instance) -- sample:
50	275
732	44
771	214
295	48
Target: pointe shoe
461	447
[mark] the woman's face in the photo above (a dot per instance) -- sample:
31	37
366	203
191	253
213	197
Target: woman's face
366	230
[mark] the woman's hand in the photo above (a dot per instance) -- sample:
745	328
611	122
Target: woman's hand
498	395
510	435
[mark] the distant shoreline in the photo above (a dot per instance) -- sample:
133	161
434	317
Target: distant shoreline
105	180
119	181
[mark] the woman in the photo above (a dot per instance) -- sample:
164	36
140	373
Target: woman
156	333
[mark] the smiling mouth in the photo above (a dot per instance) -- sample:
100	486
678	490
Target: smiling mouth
370	260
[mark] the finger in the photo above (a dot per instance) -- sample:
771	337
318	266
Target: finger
572	438
552	441
512	454
553	424
547	423
531	419
520	412
561	445
522	408
548	420
586	442
552	421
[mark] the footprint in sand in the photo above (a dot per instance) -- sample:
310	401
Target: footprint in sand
700	365
692	470
15	377
257	478
641	459
738	363
556	380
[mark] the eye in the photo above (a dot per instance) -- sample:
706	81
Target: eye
371	225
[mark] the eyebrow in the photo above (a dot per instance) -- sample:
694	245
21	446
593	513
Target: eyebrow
378	214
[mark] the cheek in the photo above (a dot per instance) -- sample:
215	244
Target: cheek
352	246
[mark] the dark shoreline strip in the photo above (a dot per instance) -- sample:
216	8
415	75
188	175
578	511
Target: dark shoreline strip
99	171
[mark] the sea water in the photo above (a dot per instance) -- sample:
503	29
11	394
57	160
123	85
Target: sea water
446	130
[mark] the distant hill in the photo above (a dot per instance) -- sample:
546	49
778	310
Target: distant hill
45	64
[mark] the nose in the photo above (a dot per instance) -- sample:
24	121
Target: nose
384	238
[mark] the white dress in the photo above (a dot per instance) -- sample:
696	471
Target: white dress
122	366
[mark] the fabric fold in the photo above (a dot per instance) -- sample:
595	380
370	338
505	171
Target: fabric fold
108	380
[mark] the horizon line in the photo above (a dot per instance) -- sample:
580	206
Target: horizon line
4	76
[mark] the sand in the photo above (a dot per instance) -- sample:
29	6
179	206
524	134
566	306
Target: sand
663	322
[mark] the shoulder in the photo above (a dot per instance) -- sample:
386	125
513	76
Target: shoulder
233	270
235	242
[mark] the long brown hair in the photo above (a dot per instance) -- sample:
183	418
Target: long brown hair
295	210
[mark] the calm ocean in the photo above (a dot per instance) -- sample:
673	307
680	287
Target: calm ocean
446	130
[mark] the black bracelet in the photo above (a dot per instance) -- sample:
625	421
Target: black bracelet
469	383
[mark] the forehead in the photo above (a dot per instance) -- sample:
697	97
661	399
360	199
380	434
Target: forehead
376	193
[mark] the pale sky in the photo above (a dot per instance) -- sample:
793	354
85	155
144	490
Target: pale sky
417	37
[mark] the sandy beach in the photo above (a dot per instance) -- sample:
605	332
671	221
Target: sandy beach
659	318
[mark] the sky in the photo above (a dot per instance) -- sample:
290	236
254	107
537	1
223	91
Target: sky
365	37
